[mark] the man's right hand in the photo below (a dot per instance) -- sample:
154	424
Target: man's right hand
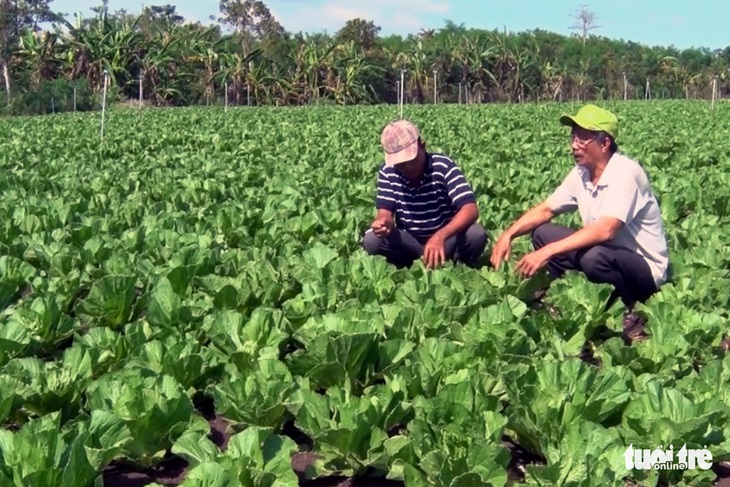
382	227
501	250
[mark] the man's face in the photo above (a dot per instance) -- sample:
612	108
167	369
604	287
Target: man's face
414	168
585	146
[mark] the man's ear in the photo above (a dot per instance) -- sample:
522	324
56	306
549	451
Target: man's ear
607	144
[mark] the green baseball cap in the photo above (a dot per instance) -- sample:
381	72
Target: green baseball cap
593	118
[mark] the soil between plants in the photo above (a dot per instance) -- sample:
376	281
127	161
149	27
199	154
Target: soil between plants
173	470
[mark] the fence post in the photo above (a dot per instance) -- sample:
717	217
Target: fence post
402	90
103	103
434	86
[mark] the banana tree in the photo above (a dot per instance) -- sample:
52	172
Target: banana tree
472	56
418	67
158	70
312	63
233	71
517	69
280	85
581	81
443	59
553	84
104	45
39	55
203	56
352	73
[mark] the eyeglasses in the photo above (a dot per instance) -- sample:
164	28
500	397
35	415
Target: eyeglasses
581	140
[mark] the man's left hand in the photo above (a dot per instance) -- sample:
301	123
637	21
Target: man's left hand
434	253
531	263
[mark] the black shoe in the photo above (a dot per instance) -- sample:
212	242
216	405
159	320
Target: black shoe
537	303
539	294
634	325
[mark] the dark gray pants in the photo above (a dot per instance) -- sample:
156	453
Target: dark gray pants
401	249
627	271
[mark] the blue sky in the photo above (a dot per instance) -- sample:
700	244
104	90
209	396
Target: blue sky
682	23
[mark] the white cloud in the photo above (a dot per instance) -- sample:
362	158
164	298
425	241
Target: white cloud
392	15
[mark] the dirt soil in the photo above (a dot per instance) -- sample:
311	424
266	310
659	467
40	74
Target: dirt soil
172	470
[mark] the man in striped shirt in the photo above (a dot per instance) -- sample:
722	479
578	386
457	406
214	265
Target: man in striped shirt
425	207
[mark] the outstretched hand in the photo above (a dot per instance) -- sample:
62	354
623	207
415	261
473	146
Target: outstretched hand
501	251
531	263
434	254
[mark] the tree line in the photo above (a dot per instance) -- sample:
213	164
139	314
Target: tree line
49	62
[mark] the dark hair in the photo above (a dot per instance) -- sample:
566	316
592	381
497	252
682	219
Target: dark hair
603	136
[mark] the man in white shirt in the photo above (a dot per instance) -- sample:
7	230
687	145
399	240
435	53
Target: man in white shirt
622	241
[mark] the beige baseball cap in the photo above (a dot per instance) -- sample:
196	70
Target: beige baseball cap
400	142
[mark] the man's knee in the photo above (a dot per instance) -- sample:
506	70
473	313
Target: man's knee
539	235
371	243
593	263
476	236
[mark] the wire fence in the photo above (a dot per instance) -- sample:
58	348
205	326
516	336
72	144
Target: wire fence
59	96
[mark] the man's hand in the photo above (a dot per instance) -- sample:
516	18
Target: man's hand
434	253
501	251
382	227
532	262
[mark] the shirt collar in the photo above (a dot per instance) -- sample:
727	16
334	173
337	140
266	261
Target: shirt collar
605	178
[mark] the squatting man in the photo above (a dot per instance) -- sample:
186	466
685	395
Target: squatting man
426	209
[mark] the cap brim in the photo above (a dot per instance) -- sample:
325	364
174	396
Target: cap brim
407	154
574	121
569	120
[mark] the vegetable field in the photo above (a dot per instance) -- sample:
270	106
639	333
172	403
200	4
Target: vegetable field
188	304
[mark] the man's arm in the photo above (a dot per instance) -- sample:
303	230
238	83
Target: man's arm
467	214
385	203
596	233
385	215
434	253
532	219
383	223
463	200
625	200
562	200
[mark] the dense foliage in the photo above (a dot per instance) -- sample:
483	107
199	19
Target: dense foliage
179	63
201	253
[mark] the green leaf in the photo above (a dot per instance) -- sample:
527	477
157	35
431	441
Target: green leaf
110	300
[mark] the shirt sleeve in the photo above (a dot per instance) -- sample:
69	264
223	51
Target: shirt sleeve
564	198
385	198
458	188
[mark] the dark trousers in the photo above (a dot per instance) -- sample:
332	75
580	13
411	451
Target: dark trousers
627	271
402	249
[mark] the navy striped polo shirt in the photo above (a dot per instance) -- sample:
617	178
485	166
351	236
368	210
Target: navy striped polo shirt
424	209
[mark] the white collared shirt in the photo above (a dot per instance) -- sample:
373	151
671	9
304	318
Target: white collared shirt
623	192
